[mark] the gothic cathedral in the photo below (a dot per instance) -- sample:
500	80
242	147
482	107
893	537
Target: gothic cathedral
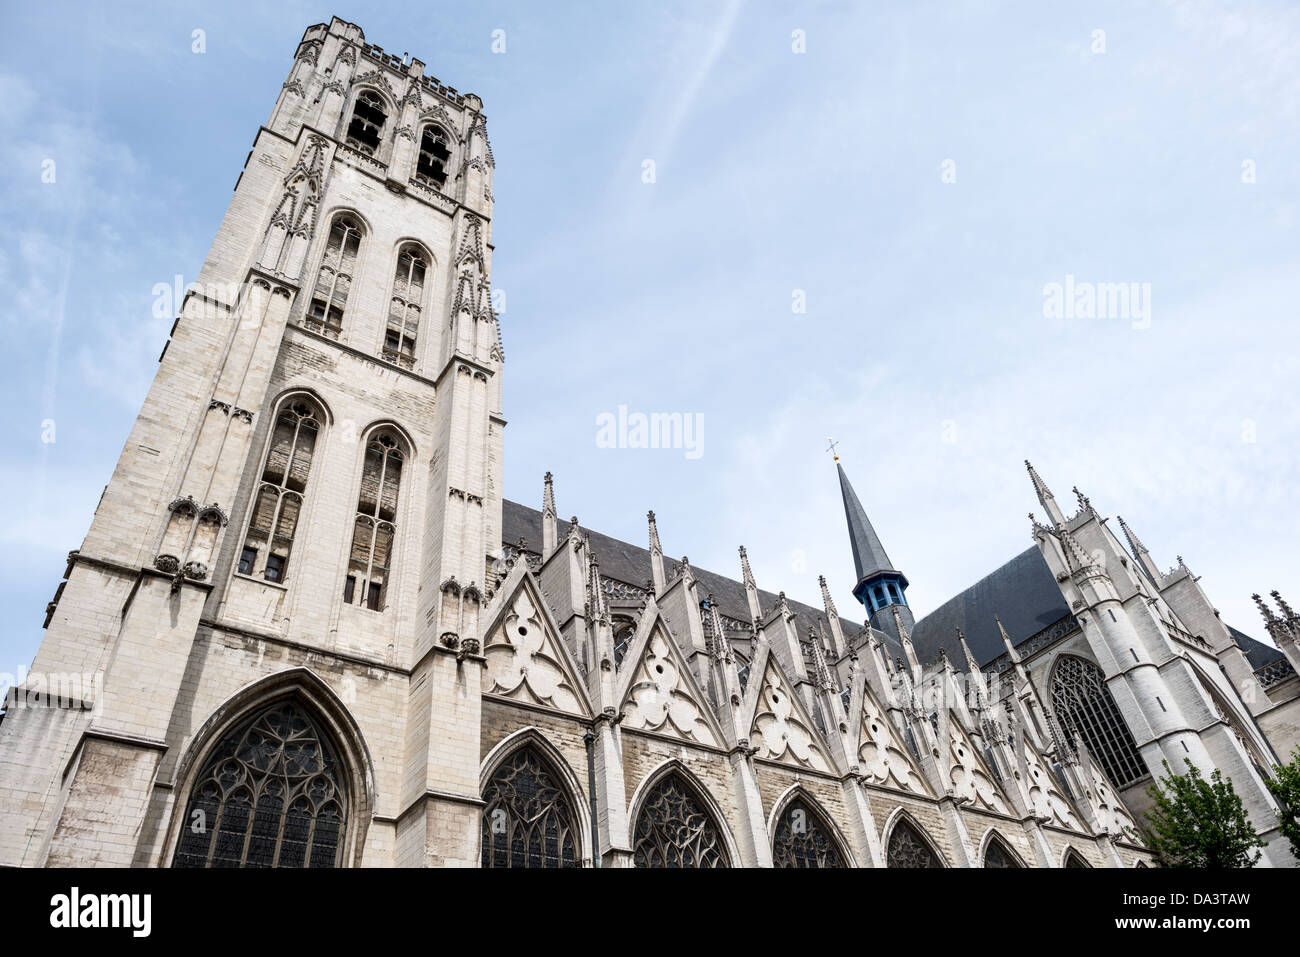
320	637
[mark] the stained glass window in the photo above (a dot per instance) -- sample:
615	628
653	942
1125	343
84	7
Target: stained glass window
907	848
271	794
527	818
998	854
674	830
803	839
1084	705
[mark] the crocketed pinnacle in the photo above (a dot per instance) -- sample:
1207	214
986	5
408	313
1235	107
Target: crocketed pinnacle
548	496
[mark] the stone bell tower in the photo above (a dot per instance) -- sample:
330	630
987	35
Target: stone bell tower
312	486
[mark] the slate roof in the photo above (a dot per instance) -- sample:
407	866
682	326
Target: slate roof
1023	593
631	564
1257	653
868	552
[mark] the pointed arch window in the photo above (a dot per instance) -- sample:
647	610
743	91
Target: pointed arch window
435	157
1085	706
405	307
908	848
1072	859
528	818
675	830
334	279
997	854
624	633
803	839
277	504
370	560
1228	715
271	794
367	126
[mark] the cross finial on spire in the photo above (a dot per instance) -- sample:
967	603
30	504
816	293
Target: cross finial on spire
831	447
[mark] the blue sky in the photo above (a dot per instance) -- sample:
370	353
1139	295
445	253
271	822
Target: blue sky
924	348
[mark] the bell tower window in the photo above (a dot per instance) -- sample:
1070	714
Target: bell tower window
277	503
367	124
371	558
435	158
334	280
404	308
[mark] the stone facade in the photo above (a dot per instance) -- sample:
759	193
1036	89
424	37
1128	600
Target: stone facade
308	514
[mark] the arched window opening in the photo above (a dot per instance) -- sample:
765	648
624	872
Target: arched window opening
675	830
404	309
528	819
624	632
271	794
334	280
435	158
1072	859
277	504
1227	714
907	848
803	839
1084	705
997	854
370	561
367	126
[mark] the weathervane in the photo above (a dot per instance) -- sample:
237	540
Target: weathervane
831	448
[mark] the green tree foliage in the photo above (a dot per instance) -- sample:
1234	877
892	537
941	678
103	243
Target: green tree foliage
1199	823
1286	791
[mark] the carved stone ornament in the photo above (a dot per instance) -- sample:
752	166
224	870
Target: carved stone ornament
780	732
526	663
660	698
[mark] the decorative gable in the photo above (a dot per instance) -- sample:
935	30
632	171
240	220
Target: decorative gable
781	729
881	757
528	661
1045	797
967	774
442	118
662	697
1110	810
376	78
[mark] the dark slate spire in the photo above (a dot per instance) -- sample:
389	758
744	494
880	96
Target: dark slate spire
868	553
881	588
